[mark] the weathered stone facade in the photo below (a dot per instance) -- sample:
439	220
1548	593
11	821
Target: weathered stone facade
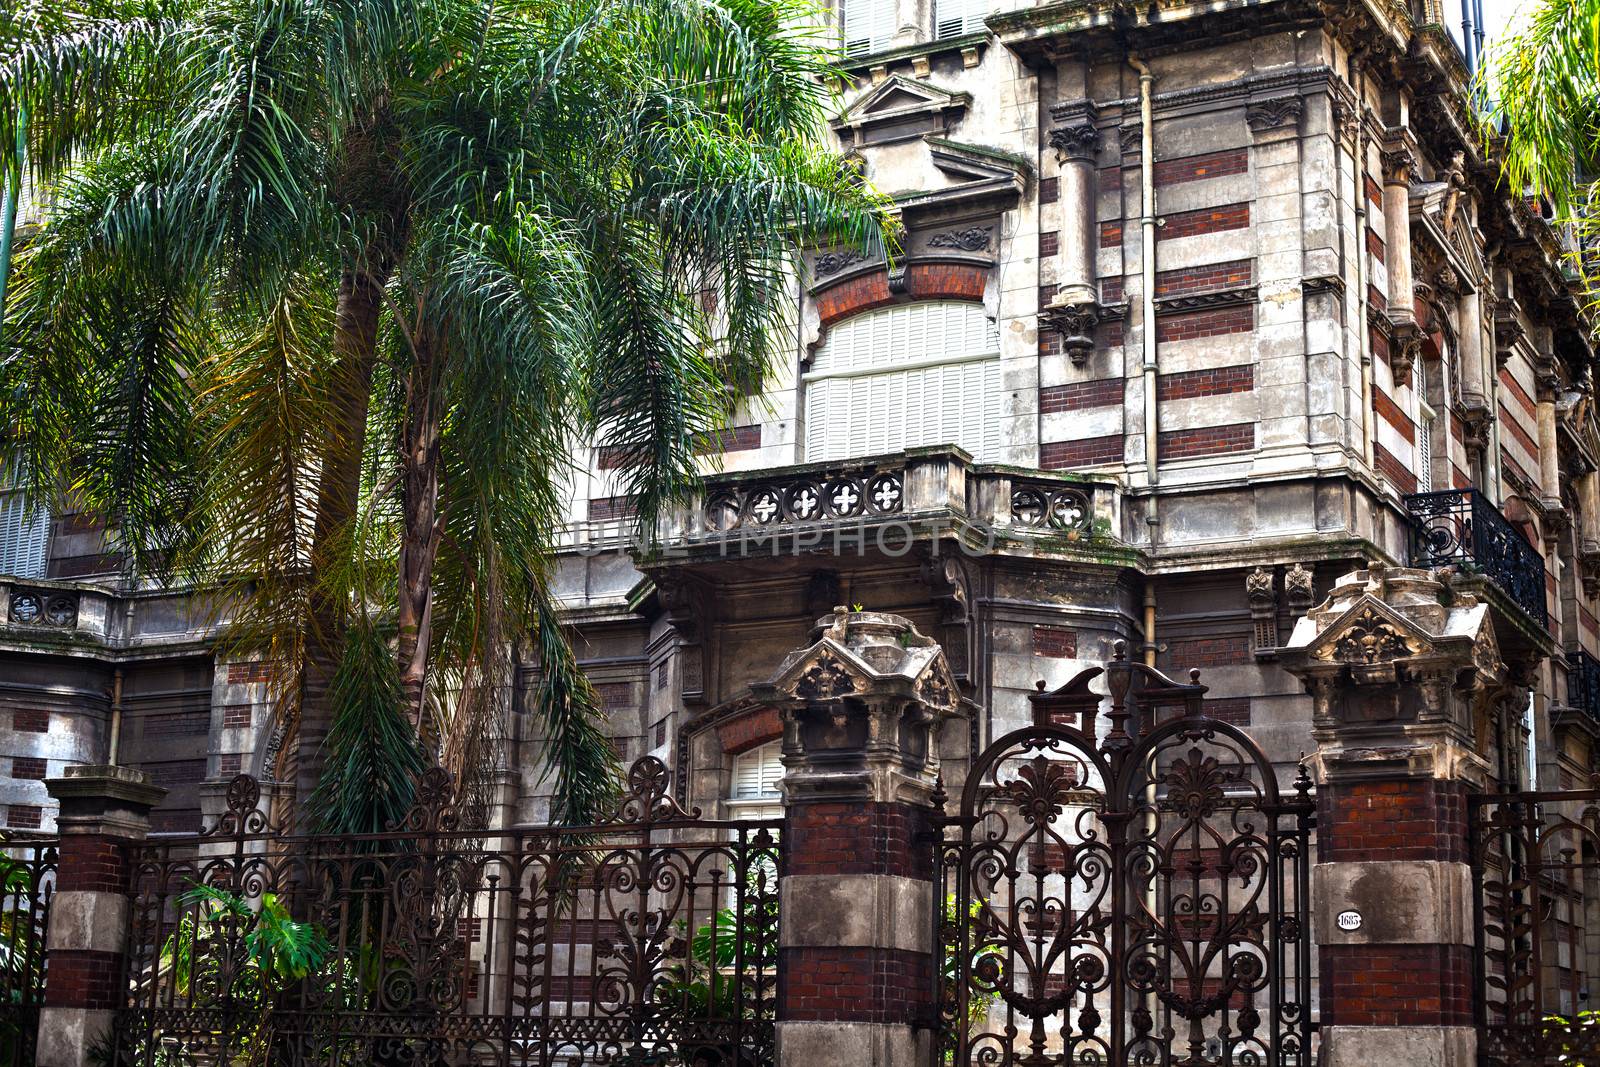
1195	356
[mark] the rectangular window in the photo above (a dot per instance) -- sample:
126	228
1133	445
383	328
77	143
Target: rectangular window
956	18
868	25
24	533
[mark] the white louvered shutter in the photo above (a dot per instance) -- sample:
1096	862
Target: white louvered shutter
906	377
24	532
868	25
756	773
952	18
1425	454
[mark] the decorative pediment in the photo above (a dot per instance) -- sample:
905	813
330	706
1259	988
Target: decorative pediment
1370	633
868	654
900	109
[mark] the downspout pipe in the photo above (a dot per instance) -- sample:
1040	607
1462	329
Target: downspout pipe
1147	264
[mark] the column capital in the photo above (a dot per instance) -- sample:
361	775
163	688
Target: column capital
1076	137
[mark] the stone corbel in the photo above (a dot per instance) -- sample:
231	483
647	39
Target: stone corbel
1589	561
1261	591
1476	420
1076	321
1280	113
1405	347
1299	588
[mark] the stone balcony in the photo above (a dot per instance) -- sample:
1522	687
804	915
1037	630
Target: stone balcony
890	501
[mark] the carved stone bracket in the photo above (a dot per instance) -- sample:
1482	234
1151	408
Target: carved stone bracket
1261	591
1405	347
1076	321
1280	112
1299	588
1476	420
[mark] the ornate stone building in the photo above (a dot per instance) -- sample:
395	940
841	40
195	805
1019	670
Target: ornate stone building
1200	307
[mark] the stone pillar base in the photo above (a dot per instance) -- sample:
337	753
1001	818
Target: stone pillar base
815	1044
72	1034
1404	1046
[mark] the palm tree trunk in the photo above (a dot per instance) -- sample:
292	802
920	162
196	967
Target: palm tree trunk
355	344
419	545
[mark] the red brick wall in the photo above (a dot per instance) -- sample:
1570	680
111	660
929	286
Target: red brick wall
237	715
1229	275
1524	438
1209	165
1055	642
1374	190
30	721
1049	190
1186	653
924	281
1205	220
24	816
1520	394
1206	441
1216	382
27	768
1403	478
1212	322
1049	243
92	862
1100	393
755	727
1396	985
1392	413
853	296
84	978
1412	819
851	837
1110	234
1376	298
1086	452
1375	245
1111	290
870	985
1235	710
246	673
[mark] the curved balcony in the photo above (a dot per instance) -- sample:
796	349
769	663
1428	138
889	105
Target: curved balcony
1461	528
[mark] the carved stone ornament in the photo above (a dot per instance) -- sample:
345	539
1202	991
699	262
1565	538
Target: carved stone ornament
1456	175
825	679
1258	586
834	262
1398	165
1277	113
972	239
1346	119
1445	280
1259	590
1130	140
1369	639
1076	323
1075	143
1298	586
1405	348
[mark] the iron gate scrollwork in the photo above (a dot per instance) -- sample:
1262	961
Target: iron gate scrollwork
1132	891
1536	888
27	883
648	939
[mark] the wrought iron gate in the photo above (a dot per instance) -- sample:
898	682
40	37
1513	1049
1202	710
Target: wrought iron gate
1536	885
649	939
1127	892
27	882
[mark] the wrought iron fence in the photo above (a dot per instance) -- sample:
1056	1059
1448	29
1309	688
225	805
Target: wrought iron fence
1129	894
1583	682
27	883
1460	527
1536	885
651	939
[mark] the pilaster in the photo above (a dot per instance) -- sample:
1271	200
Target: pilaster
1394	661
862	709
102	810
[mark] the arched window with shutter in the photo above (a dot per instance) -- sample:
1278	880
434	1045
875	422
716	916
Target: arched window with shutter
756	774
906	376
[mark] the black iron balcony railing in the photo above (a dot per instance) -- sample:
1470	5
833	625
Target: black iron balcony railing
1583	683
1461	528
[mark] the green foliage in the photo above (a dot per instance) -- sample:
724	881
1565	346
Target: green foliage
1582	1020
227	952
285	239
1543	82
373	758
723	956
979	1000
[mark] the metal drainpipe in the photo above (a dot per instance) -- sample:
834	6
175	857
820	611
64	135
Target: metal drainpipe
1147	262
116	717
1147	273
1363	331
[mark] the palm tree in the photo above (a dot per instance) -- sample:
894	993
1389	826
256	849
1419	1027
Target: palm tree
328	292
1543	81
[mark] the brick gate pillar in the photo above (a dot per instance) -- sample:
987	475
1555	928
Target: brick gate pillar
102	809
862	710
1395	661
